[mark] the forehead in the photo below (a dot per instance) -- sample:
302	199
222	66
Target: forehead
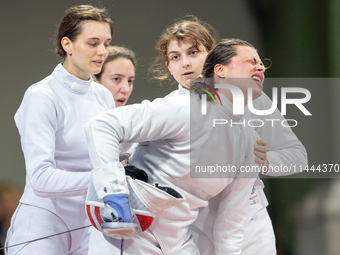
182	45
120	65
246	51
92	28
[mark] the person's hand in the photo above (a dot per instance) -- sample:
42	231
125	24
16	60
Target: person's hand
260	151
117	208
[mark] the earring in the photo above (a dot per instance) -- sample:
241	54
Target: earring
69	52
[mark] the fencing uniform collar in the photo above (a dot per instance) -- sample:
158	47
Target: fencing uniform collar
71	81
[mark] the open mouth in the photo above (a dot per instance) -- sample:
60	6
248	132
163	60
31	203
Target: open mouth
120	101
98	62
257	79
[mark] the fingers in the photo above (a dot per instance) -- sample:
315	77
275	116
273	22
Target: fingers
261	155
262	142
260	151
261	162
264	164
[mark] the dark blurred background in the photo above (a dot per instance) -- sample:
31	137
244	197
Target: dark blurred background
302	39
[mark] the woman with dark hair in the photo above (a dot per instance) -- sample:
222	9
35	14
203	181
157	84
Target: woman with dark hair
236	62
51	120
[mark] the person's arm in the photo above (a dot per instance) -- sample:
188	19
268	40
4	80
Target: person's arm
284	148
36	120
161	119
148	121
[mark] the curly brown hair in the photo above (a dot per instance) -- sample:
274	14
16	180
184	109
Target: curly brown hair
188	28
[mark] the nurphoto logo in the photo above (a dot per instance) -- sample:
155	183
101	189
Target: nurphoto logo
238	103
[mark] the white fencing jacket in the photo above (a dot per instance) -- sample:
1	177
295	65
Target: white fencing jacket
51	120
284	150
169	130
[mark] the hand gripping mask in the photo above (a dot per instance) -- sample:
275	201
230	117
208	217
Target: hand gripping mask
145	201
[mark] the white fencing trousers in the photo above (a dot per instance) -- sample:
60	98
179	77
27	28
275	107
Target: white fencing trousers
259	237
32	222
143	244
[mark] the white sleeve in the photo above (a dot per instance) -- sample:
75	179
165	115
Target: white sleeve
284	147
36	120
143	122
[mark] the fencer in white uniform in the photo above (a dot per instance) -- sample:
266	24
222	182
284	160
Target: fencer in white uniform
285	150
186	63
51	120
163	128
50	218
